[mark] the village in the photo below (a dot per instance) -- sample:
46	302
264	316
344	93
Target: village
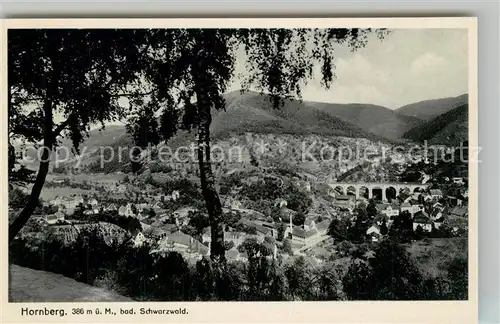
166	222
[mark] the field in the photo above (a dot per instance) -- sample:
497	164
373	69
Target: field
51	193
103	178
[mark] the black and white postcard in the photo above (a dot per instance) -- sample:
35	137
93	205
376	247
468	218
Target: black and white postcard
240	170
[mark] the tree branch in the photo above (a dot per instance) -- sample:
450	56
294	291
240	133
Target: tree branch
61	127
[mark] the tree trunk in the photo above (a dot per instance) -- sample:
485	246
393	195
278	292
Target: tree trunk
31	204
212	200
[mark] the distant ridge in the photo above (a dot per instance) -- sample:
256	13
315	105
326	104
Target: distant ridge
373	119
428	109
252	112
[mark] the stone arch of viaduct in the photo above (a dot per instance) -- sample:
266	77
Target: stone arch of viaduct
358	188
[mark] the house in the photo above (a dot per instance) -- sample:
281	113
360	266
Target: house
436	214
142	207
175	195
309	224
234	255
158	204
422	220
235	204
425	178
236	237
89	212
301	236
139	239
93	202
128	210
54	218
406	207
180	222
374	232
111	207
438	222
322	227
436	193
280	203
361	200
51	219
416	208
297	234
438	205
271	226
59	180
428	198
157	228
122	210
67	202
159	211
154	233
158	197
455	201
264	231
184	212
68	211
182	243
181	215
380	218
381	207
206	237
390	210
413	198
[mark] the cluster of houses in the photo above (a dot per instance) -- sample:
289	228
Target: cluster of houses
425	216
186	245
266	232
165	229
67	205
236	238
307	235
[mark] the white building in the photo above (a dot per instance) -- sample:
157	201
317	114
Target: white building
175	195
374	232
54	218
126	211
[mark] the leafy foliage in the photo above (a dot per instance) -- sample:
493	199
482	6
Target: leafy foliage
82	72
338	229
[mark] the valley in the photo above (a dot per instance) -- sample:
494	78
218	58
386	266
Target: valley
280	189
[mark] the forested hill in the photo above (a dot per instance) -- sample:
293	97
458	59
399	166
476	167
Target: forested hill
450	128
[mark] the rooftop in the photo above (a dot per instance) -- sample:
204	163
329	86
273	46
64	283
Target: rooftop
421	218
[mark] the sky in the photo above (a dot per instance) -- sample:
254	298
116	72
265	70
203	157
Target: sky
407	66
